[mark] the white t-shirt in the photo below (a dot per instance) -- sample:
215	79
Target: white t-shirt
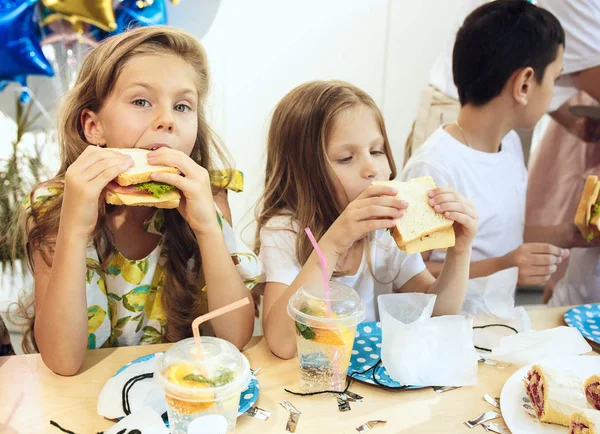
496	183
581	22
392	266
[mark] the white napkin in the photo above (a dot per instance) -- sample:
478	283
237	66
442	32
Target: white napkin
424	351
490	300
144	393
146	420
530	347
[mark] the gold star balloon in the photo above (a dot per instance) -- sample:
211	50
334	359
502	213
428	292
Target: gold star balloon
100	13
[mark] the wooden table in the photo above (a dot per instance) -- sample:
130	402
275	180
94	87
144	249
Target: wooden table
31	395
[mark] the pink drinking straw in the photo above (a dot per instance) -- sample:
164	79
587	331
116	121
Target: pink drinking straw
336	370
323	269
210	315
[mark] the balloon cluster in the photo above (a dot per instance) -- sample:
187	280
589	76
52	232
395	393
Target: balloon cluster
43	37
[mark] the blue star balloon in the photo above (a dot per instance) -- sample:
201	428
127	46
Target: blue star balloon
136	13
20	50
25	96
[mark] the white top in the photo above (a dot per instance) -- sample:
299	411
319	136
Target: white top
581	22
391	266
581	282
496	183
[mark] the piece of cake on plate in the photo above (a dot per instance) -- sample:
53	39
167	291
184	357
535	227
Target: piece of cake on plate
592	391
585	422
555	395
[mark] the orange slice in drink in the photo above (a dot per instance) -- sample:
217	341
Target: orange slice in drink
328	337
176	375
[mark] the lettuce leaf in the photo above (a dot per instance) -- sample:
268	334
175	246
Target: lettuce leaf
156	188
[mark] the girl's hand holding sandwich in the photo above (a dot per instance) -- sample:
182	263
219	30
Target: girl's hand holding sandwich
455	207
197	203
84	181
375	208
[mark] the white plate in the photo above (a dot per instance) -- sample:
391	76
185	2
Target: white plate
513	397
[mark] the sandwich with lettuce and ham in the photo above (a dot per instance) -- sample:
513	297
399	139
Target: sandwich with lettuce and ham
135	187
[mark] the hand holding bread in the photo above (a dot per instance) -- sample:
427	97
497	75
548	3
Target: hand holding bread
429	221
197	205
454	206
84	181
375	208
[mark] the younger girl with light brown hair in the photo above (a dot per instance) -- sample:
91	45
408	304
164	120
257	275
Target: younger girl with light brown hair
122	275
327	143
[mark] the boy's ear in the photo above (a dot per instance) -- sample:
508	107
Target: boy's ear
92	128
522	85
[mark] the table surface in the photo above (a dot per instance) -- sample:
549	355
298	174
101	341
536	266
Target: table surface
31	395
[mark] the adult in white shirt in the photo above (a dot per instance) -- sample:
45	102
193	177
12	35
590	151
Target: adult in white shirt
564	157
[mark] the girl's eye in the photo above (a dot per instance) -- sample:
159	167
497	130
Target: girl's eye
377	152
183	108
141	103
345	160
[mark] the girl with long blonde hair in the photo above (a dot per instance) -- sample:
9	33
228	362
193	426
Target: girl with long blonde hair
326	144
110	275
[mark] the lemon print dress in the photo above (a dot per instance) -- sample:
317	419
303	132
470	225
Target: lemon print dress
124	304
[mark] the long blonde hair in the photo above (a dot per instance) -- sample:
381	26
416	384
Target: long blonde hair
299	180
95	82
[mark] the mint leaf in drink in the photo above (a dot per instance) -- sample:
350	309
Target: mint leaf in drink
305	331
302	329
224	376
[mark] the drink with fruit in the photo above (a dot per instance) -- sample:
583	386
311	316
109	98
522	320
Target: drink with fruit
325	340
199	386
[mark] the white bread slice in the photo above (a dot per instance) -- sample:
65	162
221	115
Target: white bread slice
141	170
419	219
167	200
588	198
436	241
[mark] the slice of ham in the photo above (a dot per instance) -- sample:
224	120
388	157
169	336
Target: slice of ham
130	189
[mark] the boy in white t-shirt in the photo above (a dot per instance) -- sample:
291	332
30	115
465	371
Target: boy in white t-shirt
506	58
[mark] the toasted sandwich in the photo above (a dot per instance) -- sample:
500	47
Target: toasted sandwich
587	216
135	187
421	228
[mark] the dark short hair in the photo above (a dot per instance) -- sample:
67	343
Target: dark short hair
496	40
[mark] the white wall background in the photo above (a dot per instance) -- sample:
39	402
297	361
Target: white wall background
260	49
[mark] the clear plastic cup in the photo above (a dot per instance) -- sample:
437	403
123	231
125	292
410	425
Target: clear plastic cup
196	387
325	343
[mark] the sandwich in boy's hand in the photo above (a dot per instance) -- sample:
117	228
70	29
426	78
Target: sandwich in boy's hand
421	228
588	211
135	187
